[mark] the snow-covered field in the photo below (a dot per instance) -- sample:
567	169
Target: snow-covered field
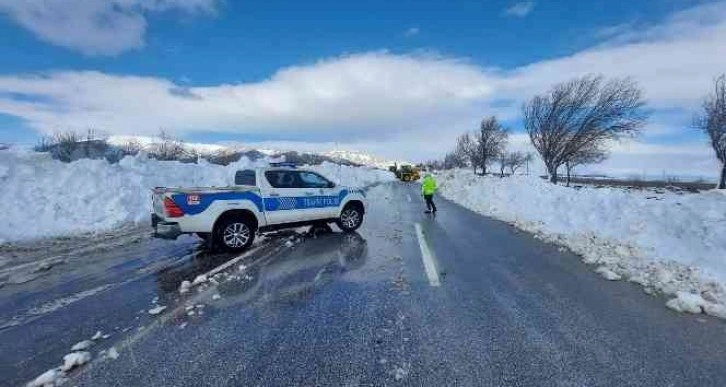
669	243
41	197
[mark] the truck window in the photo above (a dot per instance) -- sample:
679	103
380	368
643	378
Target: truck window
245	177
283	179
313	180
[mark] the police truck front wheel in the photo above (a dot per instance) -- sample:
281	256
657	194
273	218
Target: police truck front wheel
350	218
235	234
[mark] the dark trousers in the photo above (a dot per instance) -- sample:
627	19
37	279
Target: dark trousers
430	202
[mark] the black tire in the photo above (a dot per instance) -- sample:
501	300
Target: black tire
235	233
351	218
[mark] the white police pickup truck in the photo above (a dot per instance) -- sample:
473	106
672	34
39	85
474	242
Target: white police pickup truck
264	199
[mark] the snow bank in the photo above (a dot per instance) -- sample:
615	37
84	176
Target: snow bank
665	241
82	346
75	359
157	309
52	377
41	197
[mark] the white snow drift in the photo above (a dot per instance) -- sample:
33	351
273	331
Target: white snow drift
672	243
41	197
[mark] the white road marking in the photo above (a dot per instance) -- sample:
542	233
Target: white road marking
409	198
428	260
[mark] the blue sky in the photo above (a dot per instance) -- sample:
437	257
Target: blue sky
248	41
400	79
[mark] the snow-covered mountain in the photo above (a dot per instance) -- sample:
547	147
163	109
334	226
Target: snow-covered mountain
355	157
360	158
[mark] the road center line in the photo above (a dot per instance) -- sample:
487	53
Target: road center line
428	260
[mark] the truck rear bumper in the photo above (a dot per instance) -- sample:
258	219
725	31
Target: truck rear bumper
164	230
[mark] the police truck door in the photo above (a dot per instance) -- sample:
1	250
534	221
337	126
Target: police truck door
321	196
284	199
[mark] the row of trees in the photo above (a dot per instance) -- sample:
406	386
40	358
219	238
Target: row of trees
487	146
70	145
574	124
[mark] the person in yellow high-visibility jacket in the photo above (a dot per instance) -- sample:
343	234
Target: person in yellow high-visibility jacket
428	189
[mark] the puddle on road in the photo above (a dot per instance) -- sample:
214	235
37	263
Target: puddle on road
295	276
280	272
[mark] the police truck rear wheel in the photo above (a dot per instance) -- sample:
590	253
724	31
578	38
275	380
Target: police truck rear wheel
350	219
235	234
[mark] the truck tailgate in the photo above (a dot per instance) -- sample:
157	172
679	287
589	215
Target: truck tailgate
157	201
182	195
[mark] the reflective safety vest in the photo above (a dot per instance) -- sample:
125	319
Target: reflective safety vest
429	186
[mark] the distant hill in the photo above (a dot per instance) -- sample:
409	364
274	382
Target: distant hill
226	154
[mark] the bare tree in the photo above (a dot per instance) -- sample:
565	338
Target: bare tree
95	143
516	160
503	160
712	121
528	158
490	142
44	144
65	145
69	146
511	161
434	165
590	155
582	113
93	134
168	148
453	160
132	147
466	150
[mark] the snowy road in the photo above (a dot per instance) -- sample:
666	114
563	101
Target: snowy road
458	300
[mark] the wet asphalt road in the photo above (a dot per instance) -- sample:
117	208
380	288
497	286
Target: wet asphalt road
357	310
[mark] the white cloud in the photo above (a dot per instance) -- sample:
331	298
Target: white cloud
368	95
413	31
520	9
409	106
94	27
674	62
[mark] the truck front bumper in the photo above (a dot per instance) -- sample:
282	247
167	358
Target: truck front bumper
164	230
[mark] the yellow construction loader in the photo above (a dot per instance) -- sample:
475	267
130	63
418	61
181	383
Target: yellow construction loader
406	173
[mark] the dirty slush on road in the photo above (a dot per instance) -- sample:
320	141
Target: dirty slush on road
96	308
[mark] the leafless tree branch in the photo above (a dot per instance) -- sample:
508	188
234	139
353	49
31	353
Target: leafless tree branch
582	113
491	140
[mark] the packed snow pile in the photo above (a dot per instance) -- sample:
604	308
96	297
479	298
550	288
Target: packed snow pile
42	197
668	242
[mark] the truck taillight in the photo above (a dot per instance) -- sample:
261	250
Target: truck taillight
171	209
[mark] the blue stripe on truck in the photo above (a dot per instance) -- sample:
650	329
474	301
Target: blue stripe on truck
195	207
304	202
205	200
